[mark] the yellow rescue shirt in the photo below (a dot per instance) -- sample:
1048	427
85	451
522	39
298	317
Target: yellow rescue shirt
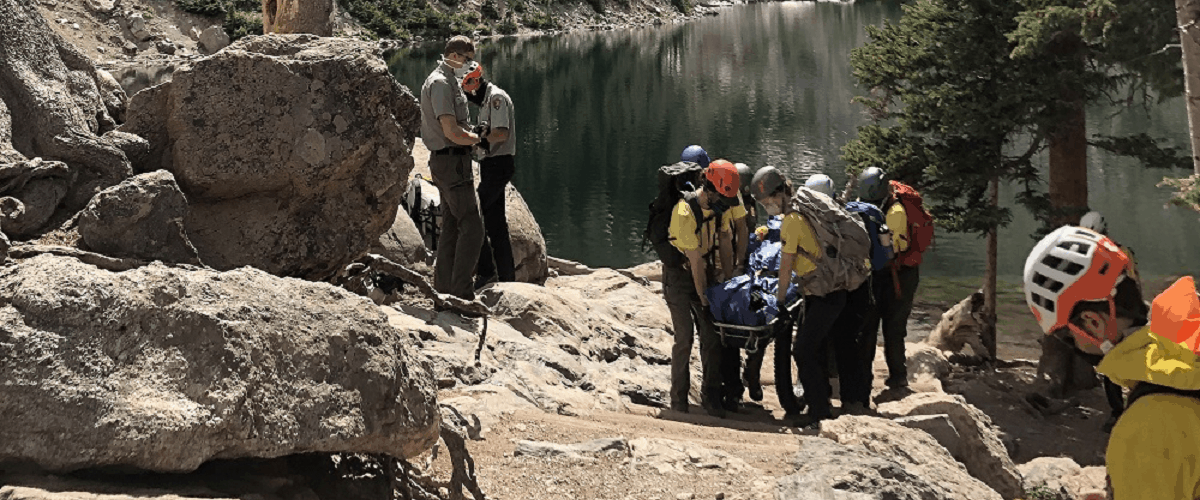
737	211
682	230
1154	450
795	234
897	221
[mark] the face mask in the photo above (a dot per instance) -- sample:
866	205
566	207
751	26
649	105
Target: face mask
460	72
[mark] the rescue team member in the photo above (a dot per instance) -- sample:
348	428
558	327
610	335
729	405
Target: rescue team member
700	241
736	213
1112	392
444	130
854	378
1078	287
890	310
752	370
774	193
496	169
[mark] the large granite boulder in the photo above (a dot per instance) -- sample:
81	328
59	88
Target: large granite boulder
402	243
163	369
982	451
916	450
826	470
293	151
140	218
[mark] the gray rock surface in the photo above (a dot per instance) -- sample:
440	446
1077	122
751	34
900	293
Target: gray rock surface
214	39
916	450
1047	474
983	452
163	369
140	218
853	473
578	344
63	105
940	428
579	450
311	141
402	243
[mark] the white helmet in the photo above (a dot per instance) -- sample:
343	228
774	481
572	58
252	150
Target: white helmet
1071	265
1094	221
820	183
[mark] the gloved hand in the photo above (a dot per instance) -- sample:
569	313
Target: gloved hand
484	144
482	129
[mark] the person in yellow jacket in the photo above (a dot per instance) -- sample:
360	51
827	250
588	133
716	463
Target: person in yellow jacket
702	238
1077	286
823	319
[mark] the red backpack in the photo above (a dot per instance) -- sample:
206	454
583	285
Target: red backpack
920	224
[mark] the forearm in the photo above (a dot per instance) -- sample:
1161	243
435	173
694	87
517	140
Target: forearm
727	255
498	135
743	242
699	273
458	135
785	277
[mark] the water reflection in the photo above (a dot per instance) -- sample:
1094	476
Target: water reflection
764	84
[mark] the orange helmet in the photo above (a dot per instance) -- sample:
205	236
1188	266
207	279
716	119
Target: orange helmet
1069	266
724	176
473	78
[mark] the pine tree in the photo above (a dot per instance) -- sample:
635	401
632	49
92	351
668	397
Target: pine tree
965	95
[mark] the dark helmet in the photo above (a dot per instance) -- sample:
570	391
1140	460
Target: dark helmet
746	176
695	154
872	184
766	181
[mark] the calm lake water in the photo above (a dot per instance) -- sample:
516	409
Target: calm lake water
763	84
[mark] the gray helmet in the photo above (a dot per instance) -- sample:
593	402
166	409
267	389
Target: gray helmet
1095	221
872	184
766	181
821	183
746	176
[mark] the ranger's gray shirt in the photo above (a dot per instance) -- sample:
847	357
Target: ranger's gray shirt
497	110
441	95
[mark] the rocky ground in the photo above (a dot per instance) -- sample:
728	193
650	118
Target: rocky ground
187	310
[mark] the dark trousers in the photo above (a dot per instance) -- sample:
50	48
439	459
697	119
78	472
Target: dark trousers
688	318
892	312
854	380
462	226
496	256
820	315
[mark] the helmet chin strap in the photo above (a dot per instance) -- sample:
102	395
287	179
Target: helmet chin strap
1110	330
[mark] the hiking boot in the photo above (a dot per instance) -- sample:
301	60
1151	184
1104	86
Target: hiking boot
482	281
855	408
715	411
807	420
755	389
731	405
680	407
896	383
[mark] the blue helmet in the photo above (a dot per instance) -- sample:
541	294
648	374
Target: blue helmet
695	154
872	185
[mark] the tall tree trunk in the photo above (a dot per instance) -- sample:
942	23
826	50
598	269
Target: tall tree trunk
1068	166
989	275
1187	13
298	16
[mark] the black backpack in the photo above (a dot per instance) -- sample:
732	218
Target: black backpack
676	182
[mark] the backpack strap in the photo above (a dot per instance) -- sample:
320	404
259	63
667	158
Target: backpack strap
1147	388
